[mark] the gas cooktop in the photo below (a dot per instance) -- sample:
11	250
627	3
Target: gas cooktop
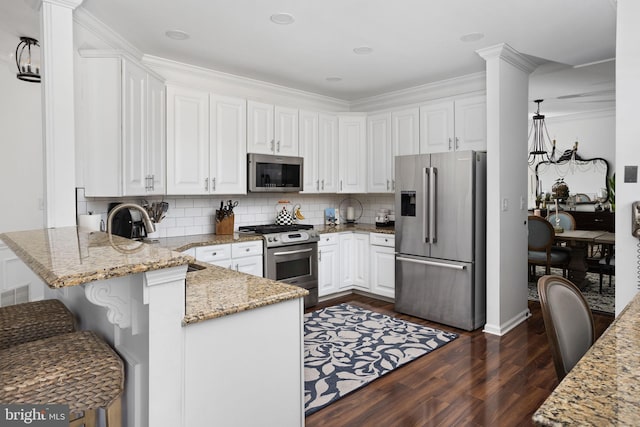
273	228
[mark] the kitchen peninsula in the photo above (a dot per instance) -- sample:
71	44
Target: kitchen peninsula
200	348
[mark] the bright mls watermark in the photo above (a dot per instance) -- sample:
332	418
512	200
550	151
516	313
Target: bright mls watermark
34	415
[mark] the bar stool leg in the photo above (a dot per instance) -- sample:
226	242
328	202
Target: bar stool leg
114	413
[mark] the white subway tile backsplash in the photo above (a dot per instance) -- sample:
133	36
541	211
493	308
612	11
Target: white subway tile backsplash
189	215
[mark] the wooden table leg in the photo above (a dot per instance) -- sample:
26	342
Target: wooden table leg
578	264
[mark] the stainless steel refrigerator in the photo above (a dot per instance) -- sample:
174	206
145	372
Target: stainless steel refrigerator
440	208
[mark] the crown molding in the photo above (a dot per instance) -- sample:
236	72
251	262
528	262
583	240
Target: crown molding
199	77
469	84
106	34
510	55
585	115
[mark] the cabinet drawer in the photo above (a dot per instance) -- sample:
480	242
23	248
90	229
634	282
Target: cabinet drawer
213	253
328	239
239	250
380	239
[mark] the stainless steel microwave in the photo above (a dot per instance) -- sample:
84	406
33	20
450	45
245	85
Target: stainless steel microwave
272	173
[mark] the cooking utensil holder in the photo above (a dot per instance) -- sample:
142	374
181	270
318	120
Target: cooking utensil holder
224	226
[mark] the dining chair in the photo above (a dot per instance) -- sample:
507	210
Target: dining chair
567	221
568	322
581	198
541	250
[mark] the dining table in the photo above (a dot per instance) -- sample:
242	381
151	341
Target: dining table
579	241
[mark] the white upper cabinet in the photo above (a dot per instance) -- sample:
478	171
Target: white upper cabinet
187	141
121	128
389	135
206	143
328	160
405	131
272	129
319	148
228	161
352	146
452	125
471	123
380	153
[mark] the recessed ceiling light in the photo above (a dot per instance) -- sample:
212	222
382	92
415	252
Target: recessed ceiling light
334	79
282	18
362	50
177	35
471	37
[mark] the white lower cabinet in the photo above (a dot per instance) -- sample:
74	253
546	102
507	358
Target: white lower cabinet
328	264
354	261
245	257
383	264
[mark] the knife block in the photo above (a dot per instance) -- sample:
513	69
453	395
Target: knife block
224	226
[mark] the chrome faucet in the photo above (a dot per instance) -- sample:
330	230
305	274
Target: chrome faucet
148	224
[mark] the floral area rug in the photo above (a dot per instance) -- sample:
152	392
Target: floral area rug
602	302
346	347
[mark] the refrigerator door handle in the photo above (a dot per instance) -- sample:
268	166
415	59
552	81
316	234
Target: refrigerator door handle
433	219
433	263
425	204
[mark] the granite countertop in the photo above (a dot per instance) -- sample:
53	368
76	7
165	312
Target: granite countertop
183	243
67	256
368	228
216	291
604	386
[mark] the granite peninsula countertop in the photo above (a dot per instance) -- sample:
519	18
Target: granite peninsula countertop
216	291
67	256
604	386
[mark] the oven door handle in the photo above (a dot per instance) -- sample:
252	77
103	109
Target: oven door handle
293	252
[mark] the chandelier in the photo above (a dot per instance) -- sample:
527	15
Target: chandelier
538	151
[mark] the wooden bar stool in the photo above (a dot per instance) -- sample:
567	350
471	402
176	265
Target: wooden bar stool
77	369
35	320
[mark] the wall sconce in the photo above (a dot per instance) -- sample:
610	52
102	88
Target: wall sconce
28	60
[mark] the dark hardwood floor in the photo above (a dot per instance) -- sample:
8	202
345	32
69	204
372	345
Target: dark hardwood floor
476	380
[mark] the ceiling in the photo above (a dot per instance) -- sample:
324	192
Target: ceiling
413	42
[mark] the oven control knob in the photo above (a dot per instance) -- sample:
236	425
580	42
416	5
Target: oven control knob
270	239
275	239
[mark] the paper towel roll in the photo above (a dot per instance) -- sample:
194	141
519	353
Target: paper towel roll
89	222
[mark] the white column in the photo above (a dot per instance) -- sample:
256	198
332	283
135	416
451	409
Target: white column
507	92
627	153
56	28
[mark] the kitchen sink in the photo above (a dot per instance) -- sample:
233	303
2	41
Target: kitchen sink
194	267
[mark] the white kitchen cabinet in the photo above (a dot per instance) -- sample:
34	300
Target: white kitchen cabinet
352	148
382	257
380	153
206	143
389	135
319	147
272	129
121	131
245	257
228	154
328	264
453	125
354	261
405	132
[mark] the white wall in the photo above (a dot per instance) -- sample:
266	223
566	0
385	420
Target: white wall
21	152
627	153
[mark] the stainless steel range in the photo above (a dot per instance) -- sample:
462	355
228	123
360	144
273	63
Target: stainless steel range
290	255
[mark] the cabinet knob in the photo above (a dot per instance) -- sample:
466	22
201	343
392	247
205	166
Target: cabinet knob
214	253
247	249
